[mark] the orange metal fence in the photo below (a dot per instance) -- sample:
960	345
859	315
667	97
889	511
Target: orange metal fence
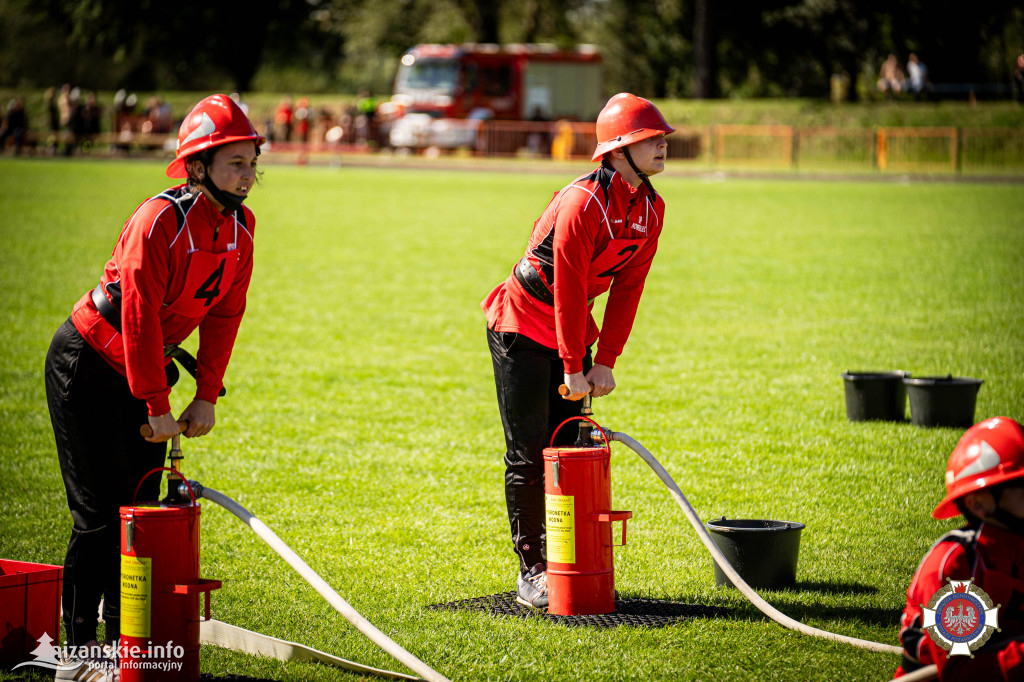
890	148
805	148
850	149
992	149
761	145
921	149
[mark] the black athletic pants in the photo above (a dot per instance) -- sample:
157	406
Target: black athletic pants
526	376
102	458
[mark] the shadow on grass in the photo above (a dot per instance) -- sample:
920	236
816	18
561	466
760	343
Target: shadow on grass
801	603
865	615
834	588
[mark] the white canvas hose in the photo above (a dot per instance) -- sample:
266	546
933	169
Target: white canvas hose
232	637
319	584
723	563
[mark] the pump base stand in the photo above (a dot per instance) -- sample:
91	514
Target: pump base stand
648	613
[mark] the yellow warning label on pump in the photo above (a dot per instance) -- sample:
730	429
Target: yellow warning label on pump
136	581
560	518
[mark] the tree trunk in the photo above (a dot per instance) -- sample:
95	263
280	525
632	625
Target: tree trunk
851	65
704	50
241	50
487	11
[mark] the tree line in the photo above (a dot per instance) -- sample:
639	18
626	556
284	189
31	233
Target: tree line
657	48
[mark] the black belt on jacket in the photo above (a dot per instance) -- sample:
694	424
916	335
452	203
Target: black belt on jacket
109	313
528	276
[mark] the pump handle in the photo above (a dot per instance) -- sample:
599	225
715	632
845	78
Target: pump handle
564	390
146	430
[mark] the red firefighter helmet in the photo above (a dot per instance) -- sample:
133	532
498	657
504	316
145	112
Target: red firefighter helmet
215	121
626	119
990	452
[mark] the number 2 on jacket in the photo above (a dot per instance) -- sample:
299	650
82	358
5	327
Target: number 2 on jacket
626	254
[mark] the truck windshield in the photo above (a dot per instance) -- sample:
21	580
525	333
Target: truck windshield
439	76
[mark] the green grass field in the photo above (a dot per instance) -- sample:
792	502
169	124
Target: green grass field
360	422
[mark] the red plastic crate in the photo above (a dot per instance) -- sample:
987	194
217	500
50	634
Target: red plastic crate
29	607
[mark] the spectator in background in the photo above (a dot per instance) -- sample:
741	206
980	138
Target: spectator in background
283	120
1018	78
14	126
91	114
387	112
75	125
118	112
302	115
64	105
53	119
158	116
241	105
324	123
129	104
539	141
917	77
891	80
366	117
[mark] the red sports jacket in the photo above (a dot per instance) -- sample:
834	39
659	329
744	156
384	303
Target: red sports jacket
178	265
596	234
994	558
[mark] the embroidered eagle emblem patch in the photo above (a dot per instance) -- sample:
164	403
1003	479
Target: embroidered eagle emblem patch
960	617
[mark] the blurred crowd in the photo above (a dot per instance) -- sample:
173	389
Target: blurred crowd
365	122
893	81
71	119
74	121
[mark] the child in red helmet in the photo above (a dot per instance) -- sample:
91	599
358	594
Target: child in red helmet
183	261
985	484
598	233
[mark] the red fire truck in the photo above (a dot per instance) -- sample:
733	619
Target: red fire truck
477	82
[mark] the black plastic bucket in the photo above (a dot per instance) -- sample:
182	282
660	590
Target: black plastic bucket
764	553
942	401
873	396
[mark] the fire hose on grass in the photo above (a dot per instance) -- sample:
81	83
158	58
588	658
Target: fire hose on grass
723	563
194	490
319	584
399	653
602	436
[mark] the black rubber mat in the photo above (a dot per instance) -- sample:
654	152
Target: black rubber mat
644	613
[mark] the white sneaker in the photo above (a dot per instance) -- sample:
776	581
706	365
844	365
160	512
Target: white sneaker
88	670
532	587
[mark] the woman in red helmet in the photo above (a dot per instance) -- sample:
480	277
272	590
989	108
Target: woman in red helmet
985	484
598	233
183	261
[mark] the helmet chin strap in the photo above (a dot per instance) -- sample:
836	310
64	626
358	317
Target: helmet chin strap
640	174
229	200
1012	522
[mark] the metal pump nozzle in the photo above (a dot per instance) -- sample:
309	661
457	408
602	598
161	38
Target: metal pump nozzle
175	493
585	440
175	454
